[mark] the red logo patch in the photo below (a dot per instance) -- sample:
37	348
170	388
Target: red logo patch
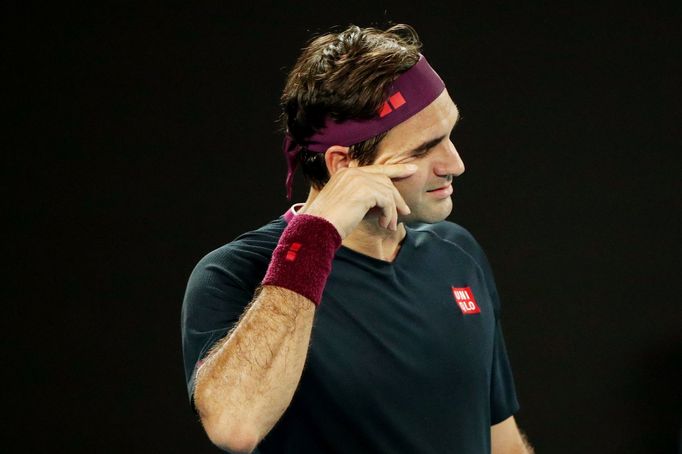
397	100
465	300
394	102
291	253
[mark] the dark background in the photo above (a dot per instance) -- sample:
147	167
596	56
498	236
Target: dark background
141	136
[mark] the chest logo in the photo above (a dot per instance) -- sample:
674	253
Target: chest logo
465	300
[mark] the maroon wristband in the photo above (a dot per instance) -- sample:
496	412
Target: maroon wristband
302	260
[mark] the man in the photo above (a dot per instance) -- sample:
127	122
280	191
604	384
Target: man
338	327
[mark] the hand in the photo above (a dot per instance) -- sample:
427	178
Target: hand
353	191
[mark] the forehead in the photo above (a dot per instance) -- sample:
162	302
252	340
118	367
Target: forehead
436	120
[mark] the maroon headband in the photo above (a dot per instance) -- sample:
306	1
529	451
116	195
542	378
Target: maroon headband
411	92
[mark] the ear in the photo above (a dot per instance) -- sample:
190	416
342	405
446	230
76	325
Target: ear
337	158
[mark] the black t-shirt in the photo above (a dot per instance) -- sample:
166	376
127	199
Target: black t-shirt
405	356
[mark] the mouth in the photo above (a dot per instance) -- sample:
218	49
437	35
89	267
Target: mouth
442	192
441	188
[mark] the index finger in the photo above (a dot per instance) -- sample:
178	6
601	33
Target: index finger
391	170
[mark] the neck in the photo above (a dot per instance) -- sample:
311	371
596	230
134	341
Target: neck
369	238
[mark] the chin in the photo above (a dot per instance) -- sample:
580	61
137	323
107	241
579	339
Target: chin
439	213
430	217
433	219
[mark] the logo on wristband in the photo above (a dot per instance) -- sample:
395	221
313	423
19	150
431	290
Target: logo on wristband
291	253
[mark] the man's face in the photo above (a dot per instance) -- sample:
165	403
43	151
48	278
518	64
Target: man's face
424	140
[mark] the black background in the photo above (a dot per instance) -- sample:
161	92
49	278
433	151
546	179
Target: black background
141	136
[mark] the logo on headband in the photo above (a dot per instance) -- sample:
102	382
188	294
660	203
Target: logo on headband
394	102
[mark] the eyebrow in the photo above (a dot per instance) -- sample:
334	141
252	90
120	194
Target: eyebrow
425	146
430	143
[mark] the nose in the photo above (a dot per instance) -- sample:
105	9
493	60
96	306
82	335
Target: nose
448	161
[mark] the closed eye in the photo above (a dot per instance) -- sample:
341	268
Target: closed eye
424	149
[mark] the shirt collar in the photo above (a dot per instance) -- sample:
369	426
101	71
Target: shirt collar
293	211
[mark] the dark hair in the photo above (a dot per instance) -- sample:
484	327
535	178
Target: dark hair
344	75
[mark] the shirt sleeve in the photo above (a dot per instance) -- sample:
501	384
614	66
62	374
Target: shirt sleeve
503	401
214	300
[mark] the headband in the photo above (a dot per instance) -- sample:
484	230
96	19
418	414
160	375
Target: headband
411	92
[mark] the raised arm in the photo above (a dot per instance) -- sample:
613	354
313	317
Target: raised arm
248	379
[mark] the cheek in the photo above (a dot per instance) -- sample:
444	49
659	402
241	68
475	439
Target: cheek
412	186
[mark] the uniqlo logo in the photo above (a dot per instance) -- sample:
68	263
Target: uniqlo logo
465	300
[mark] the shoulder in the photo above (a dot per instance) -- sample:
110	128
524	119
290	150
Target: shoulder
243	260
452	234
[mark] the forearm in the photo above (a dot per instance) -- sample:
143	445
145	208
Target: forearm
506	438
526	444
249	378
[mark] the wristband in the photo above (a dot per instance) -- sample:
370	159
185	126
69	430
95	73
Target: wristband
302	260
